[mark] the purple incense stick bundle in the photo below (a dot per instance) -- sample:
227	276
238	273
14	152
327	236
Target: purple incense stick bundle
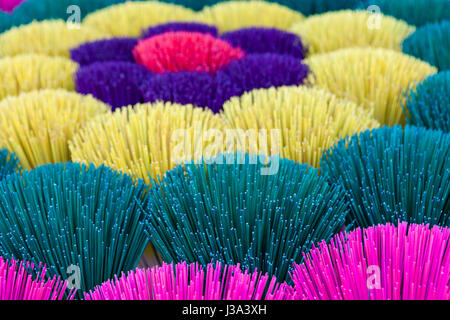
266	40
116	49
191	282
115	83
180	26
17	284
258	71
213	90
197	88
384	262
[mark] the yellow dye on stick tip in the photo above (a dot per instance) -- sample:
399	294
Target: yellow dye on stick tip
147	138
50	37
374	78
130	18
299	122
232	15
30	72
38	125
343	29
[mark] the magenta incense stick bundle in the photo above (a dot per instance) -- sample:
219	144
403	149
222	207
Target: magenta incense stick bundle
184	281
384	262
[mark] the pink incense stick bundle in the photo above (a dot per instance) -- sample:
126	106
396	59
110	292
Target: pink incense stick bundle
191	282
384	262
9	5
17	284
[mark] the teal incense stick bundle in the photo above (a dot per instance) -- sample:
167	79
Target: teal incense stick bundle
429	104
393	174
83	222
235	209
9	163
